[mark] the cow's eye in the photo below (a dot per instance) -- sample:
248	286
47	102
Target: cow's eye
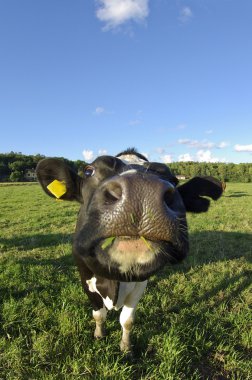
89	171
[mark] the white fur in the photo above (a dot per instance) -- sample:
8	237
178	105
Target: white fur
129	261
92	288
131	159
92	285
130	171
130	293
100	315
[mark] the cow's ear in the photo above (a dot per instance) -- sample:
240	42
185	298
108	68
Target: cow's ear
193	191
58	180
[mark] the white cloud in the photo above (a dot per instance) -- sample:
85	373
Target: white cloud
209	131
197	144
222	144
185	14
166	158
204	144
99	110
200	156
206	156
243	148
185	157
102	152
88	155
117	12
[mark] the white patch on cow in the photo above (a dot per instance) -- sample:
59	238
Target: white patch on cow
129	293
108	303
92	288
100	315
126	313
125	288
130	171
92	285
130	260
131	159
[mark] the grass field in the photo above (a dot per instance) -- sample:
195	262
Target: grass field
194	321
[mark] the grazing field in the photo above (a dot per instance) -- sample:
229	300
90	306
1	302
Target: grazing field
194	321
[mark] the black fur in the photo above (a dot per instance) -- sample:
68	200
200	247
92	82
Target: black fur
50	169
193	191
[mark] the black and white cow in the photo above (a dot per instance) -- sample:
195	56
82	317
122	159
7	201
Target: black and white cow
132	222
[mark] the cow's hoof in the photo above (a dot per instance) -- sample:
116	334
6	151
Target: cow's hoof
126	349
99	333
98	337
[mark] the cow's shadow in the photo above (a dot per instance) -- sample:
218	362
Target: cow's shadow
33	241
237	194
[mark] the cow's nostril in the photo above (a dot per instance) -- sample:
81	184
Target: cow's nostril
112	193
168	195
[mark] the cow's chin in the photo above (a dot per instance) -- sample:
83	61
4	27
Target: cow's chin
131	258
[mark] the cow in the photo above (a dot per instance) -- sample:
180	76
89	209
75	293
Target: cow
131	223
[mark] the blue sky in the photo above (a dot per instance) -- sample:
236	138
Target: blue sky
173	78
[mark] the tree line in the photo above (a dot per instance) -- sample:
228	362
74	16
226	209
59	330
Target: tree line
14	166
225	172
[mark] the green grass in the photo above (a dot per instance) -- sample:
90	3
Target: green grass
194	321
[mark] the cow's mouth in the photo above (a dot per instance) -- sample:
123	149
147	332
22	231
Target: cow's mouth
132	258
127	244
129	252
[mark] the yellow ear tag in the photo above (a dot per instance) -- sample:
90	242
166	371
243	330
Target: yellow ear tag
57	188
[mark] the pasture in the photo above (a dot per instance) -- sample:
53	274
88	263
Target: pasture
194	321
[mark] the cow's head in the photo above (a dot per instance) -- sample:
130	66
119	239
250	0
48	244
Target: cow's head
132	219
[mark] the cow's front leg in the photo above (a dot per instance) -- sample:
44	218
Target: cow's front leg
126	321
100	317
128	313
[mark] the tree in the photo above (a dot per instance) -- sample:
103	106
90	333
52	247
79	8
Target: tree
16	176
17	166
223	172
